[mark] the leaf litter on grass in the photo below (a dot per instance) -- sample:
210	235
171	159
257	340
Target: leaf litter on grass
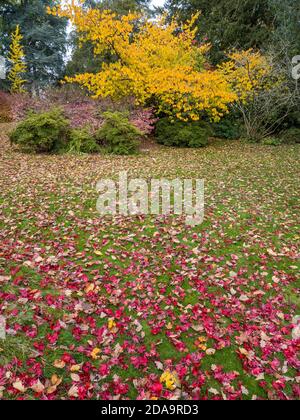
143	307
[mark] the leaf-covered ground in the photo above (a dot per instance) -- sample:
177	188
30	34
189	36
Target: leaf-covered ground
145	307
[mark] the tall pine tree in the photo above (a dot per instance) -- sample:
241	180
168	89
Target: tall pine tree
44	39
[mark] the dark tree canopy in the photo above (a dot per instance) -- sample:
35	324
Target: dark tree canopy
119	6
229	23
44	39
286	37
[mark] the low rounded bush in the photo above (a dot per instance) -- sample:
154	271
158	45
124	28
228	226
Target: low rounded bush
295	119
39	133
248	139
292	135
271	141
292	120
117	134
227	128
182	134
81	141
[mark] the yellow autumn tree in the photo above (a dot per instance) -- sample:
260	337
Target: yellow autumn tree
247	72
263	91
16	56
155	61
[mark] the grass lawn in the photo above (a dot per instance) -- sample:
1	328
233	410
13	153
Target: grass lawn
100	307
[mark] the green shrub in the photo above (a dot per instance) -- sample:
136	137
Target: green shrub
294	119
39	132
81	141
292	135
248	139
271	141
290	119
117	134
227	128
182	134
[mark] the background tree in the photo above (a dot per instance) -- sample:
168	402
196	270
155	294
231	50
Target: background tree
228	24
122	7
44	39
16	56
286	37
2	7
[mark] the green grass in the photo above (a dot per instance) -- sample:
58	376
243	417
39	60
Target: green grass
157	272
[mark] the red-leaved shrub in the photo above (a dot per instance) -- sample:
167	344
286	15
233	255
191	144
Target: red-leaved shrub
144	120
5	108
81	110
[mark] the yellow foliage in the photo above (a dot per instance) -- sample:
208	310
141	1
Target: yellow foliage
247	72
16	56
95	352
153	60
169	379
111	324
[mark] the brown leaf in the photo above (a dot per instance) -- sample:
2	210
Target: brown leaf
38	387
73	391
59	364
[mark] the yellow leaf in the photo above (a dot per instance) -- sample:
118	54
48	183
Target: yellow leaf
55	380
75	368
202	347
111	324
51	389
89	288
95	352
170	379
